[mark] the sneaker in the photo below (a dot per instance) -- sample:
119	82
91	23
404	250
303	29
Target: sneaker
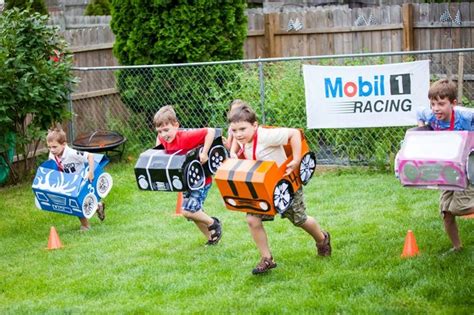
264	265
325	248
101	211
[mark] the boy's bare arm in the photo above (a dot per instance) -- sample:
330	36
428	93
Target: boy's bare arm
90	174
421	123
203	156
294	138
234	149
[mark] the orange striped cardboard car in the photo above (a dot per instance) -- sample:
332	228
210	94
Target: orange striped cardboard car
261	186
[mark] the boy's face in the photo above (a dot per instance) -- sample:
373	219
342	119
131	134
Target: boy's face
442	108
168	131
56	148
243	131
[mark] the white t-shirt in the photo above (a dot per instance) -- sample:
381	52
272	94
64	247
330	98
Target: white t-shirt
270	143
72	161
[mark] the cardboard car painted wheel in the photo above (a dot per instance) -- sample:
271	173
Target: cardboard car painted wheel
104	184
89	205
217	155
307	167
195	176
282	196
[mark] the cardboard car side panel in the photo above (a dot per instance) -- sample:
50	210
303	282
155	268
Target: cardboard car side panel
71	194
435	159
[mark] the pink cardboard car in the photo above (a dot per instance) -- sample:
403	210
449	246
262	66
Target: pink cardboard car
436	159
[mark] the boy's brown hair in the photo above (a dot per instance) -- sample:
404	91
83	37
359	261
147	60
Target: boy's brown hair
165	115
443	89
56	134
242	113
237	102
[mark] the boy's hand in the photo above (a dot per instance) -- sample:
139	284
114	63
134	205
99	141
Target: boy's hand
203	157
290	167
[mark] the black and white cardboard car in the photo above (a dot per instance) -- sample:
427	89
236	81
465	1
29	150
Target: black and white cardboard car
161	170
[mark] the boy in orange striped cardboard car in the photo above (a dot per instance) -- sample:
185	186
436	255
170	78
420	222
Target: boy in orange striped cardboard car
267	144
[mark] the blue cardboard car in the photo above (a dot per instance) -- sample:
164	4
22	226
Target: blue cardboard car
71	194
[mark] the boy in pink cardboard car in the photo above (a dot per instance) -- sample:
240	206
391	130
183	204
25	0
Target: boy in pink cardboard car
442	158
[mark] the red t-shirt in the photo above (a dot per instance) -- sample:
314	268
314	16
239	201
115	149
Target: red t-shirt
187	140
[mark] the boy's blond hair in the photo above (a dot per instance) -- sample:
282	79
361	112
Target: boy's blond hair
443	89
165	115
242	113
56	134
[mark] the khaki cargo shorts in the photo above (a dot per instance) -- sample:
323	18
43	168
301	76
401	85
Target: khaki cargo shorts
457	202
296	213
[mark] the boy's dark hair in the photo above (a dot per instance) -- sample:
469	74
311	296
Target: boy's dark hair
242	113
165	115
443	89
56	134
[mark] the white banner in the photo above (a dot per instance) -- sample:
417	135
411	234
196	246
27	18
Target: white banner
365	96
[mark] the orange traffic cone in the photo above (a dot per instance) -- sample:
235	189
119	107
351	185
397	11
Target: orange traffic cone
410	248
54	242
179	204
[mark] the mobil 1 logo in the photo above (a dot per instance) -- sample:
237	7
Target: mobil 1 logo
400	84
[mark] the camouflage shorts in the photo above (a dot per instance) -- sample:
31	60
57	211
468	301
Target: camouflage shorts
458	202
296	213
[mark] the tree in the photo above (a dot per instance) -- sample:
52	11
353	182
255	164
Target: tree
98	7
36	5
35	79
151	32
163	31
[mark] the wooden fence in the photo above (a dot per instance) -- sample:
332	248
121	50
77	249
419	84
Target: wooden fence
304	32
313	31
341	30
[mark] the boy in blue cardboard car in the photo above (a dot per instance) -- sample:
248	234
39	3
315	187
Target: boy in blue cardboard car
71	182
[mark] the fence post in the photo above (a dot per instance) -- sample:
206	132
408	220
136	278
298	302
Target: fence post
407	15
460	77
70	126
269	34
262	90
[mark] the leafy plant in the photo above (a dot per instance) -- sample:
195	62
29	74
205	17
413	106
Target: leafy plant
35	5
98	7
35	80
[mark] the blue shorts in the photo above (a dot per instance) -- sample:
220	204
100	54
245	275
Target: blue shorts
194	199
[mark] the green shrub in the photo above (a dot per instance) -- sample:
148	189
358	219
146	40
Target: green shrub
35	79
98	7
36	5
162	32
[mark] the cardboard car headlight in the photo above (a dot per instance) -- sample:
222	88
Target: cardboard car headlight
436	159
161	170
261	186
68	193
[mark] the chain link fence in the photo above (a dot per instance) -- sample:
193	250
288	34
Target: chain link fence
124	99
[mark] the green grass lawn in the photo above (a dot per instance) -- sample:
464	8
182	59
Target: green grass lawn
143	259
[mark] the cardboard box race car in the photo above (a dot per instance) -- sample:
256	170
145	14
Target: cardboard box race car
68	193
261	186
436	159
161	170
